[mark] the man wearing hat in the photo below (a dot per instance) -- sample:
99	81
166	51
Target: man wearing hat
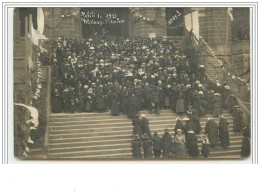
167	143
145	126
178	125
211	129
223	131
136	148
137	126
217	106
157	145
133	106
192	144
147	146
205	150
56	101
201	71
237	115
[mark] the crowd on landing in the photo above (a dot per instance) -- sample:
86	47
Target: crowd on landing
129	75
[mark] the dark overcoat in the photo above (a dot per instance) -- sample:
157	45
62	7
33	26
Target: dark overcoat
211	129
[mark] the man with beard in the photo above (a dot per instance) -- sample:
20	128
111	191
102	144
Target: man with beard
223	131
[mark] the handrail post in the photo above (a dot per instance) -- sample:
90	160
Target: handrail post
48	111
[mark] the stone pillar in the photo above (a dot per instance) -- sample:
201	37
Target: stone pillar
147	21
218	28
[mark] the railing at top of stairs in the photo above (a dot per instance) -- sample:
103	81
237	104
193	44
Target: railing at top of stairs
203	46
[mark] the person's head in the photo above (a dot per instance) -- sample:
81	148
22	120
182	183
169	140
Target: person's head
179	131
155	134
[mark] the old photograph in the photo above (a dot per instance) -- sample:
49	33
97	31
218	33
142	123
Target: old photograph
131	83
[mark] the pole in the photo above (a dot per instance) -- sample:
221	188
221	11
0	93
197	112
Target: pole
227	39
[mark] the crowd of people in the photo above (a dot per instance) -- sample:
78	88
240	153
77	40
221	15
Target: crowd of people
128	75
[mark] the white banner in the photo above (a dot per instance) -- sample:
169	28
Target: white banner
192	23
40	20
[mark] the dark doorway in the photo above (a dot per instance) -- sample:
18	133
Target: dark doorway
23	12
104	21
175	21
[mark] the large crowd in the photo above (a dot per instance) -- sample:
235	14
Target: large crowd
128	75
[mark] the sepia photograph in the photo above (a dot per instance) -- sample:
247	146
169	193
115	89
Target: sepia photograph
131	83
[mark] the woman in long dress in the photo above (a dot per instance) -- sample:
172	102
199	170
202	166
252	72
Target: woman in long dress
100	100
217	106
192	144
211	129
179	142
180	106
115	109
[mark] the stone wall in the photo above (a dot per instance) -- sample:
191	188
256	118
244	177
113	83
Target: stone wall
218	28
142	28
61	22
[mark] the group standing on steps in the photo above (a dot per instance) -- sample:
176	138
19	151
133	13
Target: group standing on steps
182	141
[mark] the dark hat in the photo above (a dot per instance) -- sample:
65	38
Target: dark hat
145	135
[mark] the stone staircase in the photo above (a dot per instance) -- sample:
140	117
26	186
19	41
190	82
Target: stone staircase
102	136
213	70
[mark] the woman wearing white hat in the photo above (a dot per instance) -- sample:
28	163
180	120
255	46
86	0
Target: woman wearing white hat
179	143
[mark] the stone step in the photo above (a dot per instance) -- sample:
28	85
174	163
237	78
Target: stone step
107	139
73	143
120	121
102	136
111	152
89	153
122	118
95	114
108	128
127	145
68	125
113	149
85	133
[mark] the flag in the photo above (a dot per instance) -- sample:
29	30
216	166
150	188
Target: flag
33	36
229	12
192	23
40	20
37	34
30	63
